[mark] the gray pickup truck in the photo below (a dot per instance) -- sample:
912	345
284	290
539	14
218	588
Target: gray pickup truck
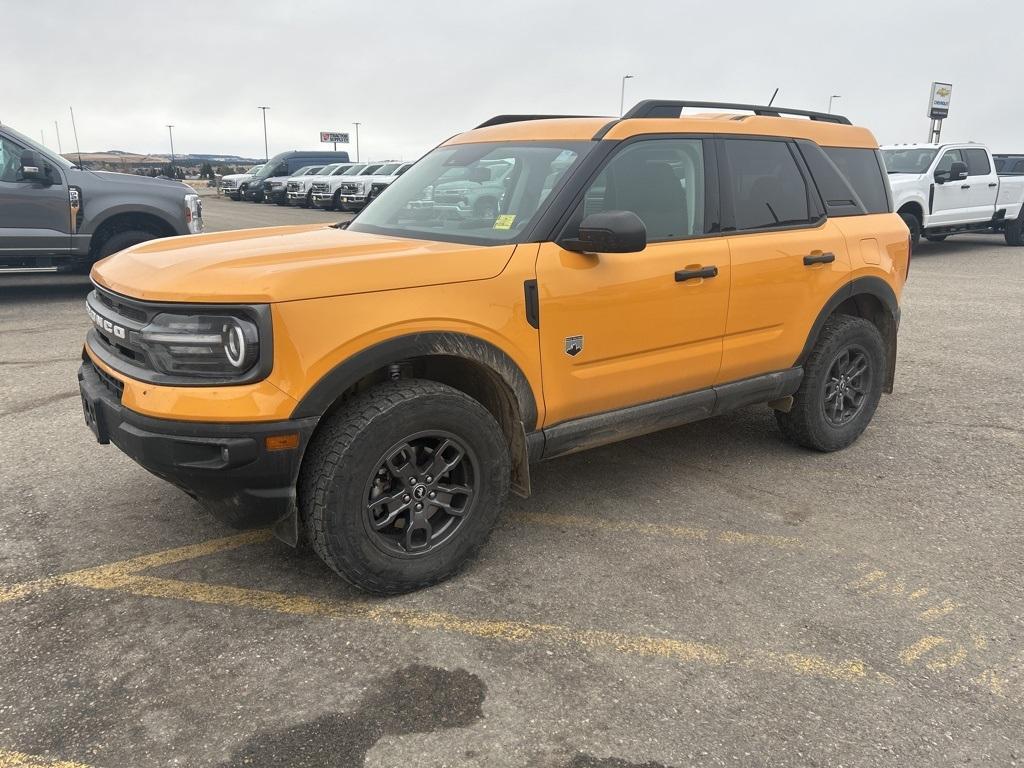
55	215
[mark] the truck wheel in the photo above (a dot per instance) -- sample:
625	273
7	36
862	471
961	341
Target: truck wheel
1014	233
122	240
336	202
841	388
914	225
308	201
402	486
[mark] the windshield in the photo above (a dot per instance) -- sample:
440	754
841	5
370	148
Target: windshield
387	170
327	170
366	171
475	193
35	146
910	160
341	170
255	169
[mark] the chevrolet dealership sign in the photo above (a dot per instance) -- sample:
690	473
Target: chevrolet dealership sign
938	104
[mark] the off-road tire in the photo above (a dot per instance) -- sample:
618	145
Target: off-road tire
1014	233
914	225
345	457
336	202
121	240
806	423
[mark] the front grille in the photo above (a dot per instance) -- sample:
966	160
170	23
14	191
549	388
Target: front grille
118	334
294	186
320	187
348	188
227	185
377	188
119	307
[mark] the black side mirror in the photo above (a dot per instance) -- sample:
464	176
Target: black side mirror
958	172
609	232
32	168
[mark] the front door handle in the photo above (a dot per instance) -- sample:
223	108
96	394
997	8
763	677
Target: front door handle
819	258
993	185
965	186
690	274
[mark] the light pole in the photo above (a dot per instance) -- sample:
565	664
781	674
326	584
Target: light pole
170	133
266	152
833	96
622	94
57	129
357	140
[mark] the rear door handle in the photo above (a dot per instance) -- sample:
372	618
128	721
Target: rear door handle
690	274
819	258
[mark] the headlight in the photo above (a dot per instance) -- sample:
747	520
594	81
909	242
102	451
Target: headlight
213	346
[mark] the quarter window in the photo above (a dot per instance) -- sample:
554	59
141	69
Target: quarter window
861	169
661	181
977	162
765	183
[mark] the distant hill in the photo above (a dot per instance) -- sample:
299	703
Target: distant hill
121	159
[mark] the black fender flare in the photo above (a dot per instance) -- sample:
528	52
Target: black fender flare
872	286
435	344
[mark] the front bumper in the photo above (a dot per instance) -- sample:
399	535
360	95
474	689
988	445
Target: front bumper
227	467
322	198
352	199
253	193
296	196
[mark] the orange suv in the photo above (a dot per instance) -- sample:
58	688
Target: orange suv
378	387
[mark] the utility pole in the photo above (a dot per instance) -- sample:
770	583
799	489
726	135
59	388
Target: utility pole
357	140
830	98
57	129
622	93
170	132
266	151
42	137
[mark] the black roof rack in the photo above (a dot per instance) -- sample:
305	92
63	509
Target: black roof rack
661	108
502	119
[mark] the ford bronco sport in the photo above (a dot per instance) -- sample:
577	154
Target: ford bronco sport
378	388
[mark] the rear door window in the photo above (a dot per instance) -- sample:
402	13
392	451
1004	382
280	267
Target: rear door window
765	184
861	168
977	162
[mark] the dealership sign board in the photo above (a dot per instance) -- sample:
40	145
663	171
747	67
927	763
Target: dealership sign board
329	137
938	104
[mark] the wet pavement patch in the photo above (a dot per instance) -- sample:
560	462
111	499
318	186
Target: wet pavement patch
414	699
582	760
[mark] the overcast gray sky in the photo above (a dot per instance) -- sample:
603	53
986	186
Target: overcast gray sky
414	72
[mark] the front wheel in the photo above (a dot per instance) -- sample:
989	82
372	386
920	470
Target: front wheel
841	387
402	486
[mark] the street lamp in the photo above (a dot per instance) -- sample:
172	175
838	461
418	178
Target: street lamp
170	133
266	152
622	95
357	140
830	98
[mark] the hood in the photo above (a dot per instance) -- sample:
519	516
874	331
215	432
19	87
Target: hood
145	182
236	176
908	182
290	263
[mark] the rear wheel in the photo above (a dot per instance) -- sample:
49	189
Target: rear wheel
1014	233
841	387
914	225
402	486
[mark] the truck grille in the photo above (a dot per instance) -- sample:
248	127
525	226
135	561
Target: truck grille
112	385
227	184
377	188
320	186
294	186
349	188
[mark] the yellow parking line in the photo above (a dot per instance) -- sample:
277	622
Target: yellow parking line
850	670
126	568
587	522
10	759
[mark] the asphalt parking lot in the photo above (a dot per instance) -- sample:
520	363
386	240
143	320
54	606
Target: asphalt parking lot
706	596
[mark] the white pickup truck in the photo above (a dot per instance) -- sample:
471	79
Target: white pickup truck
949	189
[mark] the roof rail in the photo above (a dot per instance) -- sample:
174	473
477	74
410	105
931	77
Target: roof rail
502	119
662	108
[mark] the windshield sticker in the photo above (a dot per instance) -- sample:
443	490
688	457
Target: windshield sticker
504	221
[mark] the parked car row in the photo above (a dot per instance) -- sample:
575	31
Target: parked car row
325	180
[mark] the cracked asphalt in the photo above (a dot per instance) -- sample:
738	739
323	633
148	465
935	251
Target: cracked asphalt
705	596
